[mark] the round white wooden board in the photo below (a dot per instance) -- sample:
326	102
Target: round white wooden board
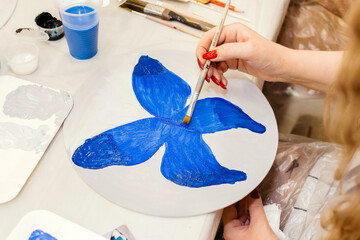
108	100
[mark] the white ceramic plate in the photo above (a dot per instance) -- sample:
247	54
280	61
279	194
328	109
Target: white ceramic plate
108	101
52	224
6	10
30	116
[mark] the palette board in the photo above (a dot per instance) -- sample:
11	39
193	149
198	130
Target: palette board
51	227
30	116
115	109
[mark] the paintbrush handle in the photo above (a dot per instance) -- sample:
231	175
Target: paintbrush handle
235	15
174	16
172	26
164	23
206	66
189	15
222	4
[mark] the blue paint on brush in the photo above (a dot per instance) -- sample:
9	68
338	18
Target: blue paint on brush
40	235
188	160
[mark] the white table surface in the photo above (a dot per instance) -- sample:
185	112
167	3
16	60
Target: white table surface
54	184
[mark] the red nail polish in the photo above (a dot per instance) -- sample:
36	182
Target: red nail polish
210	55
215	80
255	194
223	85
207	78
200	65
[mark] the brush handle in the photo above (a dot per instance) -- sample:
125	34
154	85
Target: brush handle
219	10
222	4
187	14
206	66
171	25
174	16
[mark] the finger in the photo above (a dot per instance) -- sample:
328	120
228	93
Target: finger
256	209
223	82
200	64
243	210
228	34
205	42
229	214
216	76
230	51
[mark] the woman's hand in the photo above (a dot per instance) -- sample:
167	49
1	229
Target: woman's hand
247	220
241	48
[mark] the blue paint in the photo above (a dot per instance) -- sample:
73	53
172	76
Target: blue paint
81	32
188	160
40	235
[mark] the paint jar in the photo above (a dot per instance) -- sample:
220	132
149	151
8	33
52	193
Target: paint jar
50	23
80	20
22	57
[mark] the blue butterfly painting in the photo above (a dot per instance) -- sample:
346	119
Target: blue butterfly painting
188	160
40	235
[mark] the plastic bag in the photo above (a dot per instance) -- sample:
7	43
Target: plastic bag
310	26
295	159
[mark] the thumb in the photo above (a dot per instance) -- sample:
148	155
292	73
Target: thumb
256	209
228	51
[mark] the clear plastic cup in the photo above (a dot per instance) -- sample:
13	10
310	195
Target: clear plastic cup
22	57
80	19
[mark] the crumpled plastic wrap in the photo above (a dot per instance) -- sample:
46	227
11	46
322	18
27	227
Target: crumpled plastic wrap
337	7
293	179
310	26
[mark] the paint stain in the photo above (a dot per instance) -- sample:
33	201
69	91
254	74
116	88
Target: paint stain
188	160
40	235
51	25
34	102
17	136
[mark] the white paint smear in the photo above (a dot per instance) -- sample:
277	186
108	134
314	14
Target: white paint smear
22	137
33	102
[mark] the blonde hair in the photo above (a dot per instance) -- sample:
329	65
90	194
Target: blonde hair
342	123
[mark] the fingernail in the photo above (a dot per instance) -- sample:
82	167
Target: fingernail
210	55
215	80
223	85
207	78
200	65
255	194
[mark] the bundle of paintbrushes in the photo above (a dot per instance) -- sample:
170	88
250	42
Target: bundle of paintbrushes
165	14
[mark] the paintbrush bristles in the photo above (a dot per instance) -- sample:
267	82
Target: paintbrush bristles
186	120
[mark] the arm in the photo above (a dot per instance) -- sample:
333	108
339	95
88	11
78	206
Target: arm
313	69
243	49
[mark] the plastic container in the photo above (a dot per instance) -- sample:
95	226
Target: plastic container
50	23
22	57
80	20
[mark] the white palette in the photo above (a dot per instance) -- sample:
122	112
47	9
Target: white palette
30	116
50	223
109	101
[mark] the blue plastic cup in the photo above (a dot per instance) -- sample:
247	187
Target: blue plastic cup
80	19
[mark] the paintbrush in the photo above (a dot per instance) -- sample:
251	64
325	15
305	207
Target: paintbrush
165	23
235	15
164	13
206	67
221	4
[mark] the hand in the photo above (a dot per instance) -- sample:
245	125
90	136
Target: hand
241	48
253	225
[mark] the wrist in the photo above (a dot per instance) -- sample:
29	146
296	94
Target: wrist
286	64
